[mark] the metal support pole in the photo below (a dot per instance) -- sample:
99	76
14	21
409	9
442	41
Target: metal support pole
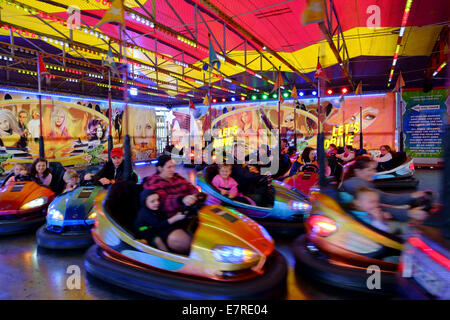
41	138
401	120
126	141
110	138
295	123
320	142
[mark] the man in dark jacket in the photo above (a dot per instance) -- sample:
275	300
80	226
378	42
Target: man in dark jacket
249	180
112	170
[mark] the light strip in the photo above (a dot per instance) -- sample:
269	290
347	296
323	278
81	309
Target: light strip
439	68
287	100
9	90
436	256
399	40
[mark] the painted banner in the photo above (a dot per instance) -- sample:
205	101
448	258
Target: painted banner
244	121
424	121
75	131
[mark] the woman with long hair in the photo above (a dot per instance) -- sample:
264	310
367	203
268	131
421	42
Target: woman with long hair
247	133
60	118
39	170
308	156
143	137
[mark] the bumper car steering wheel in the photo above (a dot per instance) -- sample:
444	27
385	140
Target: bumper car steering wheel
191	211
310	168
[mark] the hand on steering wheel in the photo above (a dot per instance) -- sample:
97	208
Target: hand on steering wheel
105	181
265	180
423	199
189	200
198	200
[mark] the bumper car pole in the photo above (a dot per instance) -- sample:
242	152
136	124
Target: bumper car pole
110	139
41	137
361	141
401	118
320	142
41	147
126	142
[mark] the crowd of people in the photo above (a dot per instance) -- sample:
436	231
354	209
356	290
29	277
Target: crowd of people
160	220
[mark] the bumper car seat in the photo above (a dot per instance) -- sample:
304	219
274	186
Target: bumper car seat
123	203
57	170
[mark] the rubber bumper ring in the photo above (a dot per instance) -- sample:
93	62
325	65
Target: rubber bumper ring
396	184
51	240
167	285
20	226
318	269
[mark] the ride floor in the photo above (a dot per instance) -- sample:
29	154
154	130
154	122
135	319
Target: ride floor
29	272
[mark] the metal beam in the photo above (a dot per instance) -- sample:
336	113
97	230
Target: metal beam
329	31
179	18
170	30
211	33
37	47
67	38
232	23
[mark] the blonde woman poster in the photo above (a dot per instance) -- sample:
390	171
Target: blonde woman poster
61	123
248	127
269	116
143	133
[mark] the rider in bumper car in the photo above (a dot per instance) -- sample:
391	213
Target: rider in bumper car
112	170
348	155
249	179
156	228
174	192
308	157
386	159
361	173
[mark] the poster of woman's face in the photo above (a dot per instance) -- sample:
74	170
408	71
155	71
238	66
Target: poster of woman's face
143	132
378	119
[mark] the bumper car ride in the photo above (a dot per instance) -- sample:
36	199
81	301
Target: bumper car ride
23	205
284	217
338	248
231	257
69	220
